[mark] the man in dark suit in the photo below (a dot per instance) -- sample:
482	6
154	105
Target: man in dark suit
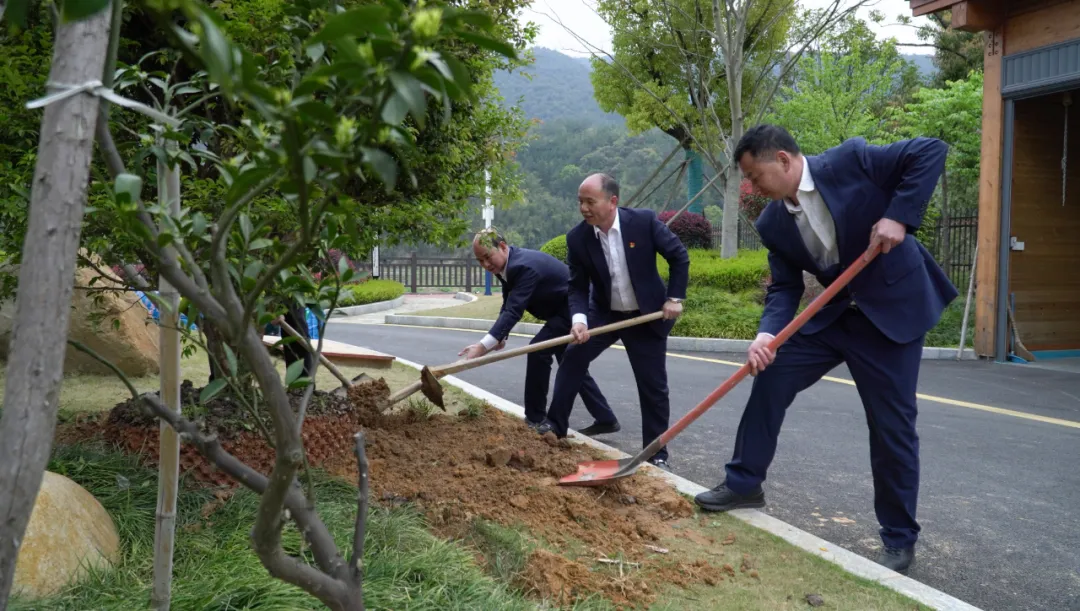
613	253
534	282
826	211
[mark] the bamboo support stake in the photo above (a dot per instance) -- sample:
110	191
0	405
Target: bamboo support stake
169	451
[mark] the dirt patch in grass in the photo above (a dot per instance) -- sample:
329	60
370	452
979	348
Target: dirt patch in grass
478	464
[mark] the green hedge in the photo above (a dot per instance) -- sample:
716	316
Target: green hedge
371	291
556	247
713	312
746	271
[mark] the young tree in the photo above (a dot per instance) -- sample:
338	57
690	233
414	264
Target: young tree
350	107
39	329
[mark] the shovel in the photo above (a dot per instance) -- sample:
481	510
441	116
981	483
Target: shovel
600	472
429	376
346	383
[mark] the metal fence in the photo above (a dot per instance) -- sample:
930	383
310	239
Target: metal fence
432	272
951	242
748	237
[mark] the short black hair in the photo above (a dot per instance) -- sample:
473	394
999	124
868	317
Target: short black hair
765	138
609	184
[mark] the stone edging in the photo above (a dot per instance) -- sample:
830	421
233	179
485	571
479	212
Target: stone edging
848	561
368	308
687	344
466	297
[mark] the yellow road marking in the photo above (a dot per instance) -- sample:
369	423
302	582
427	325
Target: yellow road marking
925	397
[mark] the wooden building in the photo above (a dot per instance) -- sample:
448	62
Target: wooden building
1029	184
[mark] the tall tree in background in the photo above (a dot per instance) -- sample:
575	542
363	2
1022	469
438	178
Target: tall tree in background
954	114
666	71
956	53
843	88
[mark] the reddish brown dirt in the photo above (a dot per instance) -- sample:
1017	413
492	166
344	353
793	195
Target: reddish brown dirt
457	469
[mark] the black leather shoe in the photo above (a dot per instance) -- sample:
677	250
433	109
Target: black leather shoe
660	463
721	498
898	559
601	428
546	428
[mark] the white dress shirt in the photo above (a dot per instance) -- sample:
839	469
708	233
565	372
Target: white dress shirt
814	220
623	298
488	341
815	223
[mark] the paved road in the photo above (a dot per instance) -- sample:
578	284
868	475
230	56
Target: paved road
1000	494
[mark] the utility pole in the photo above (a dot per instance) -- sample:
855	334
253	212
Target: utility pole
489	215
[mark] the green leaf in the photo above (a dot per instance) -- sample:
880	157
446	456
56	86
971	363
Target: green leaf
245	226
230	356
216	50
244	183
309	169
299	382
353	22
294	371
383	164
260	244
16	12
342	265
198	224
409	88
316	51
320	111
128	185
492	44
395	110
77	10
212	389
477	18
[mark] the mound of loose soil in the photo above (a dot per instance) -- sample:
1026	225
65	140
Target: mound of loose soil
460	468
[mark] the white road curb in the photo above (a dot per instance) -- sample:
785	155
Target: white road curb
847	560
685	344
368	308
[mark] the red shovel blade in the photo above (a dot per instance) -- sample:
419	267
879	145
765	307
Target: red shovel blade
600	472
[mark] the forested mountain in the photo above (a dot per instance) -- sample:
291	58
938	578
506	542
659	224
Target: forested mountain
572	138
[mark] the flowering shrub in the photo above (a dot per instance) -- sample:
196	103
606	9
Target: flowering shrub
691	228
749	202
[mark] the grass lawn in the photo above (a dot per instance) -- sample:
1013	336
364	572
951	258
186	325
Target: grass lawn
486	308
712	562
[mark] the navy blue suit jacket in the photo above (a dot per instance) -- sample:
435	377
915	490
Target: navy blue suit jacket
643	236
902	292
534	282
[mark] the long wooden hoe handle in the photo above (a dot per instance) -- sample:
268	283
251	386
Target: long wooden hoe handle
307	345
456	366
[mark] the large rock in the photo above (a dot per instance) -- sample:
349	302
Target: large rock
132	346
68	531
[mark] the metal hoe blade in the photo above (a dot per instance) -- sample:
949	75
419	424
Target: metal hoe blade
600	472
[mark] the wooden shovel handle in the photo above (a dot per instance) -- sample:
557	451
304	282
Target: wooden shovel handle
346	382
457	366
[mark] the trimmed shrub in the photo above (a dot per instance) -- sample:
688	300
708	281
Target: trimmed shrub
692	229
713	312
746	271
370	291
556	247
749	202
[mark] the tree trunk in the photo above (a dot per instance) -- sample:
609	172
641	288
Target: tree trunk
169	444
733	57
43	300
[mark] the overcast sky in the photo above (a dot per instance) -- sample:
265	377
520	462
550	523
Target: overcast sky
578	15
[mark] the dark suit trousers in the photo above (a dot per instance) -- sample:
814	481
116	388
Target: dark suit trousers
538	375
647	351
885	374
